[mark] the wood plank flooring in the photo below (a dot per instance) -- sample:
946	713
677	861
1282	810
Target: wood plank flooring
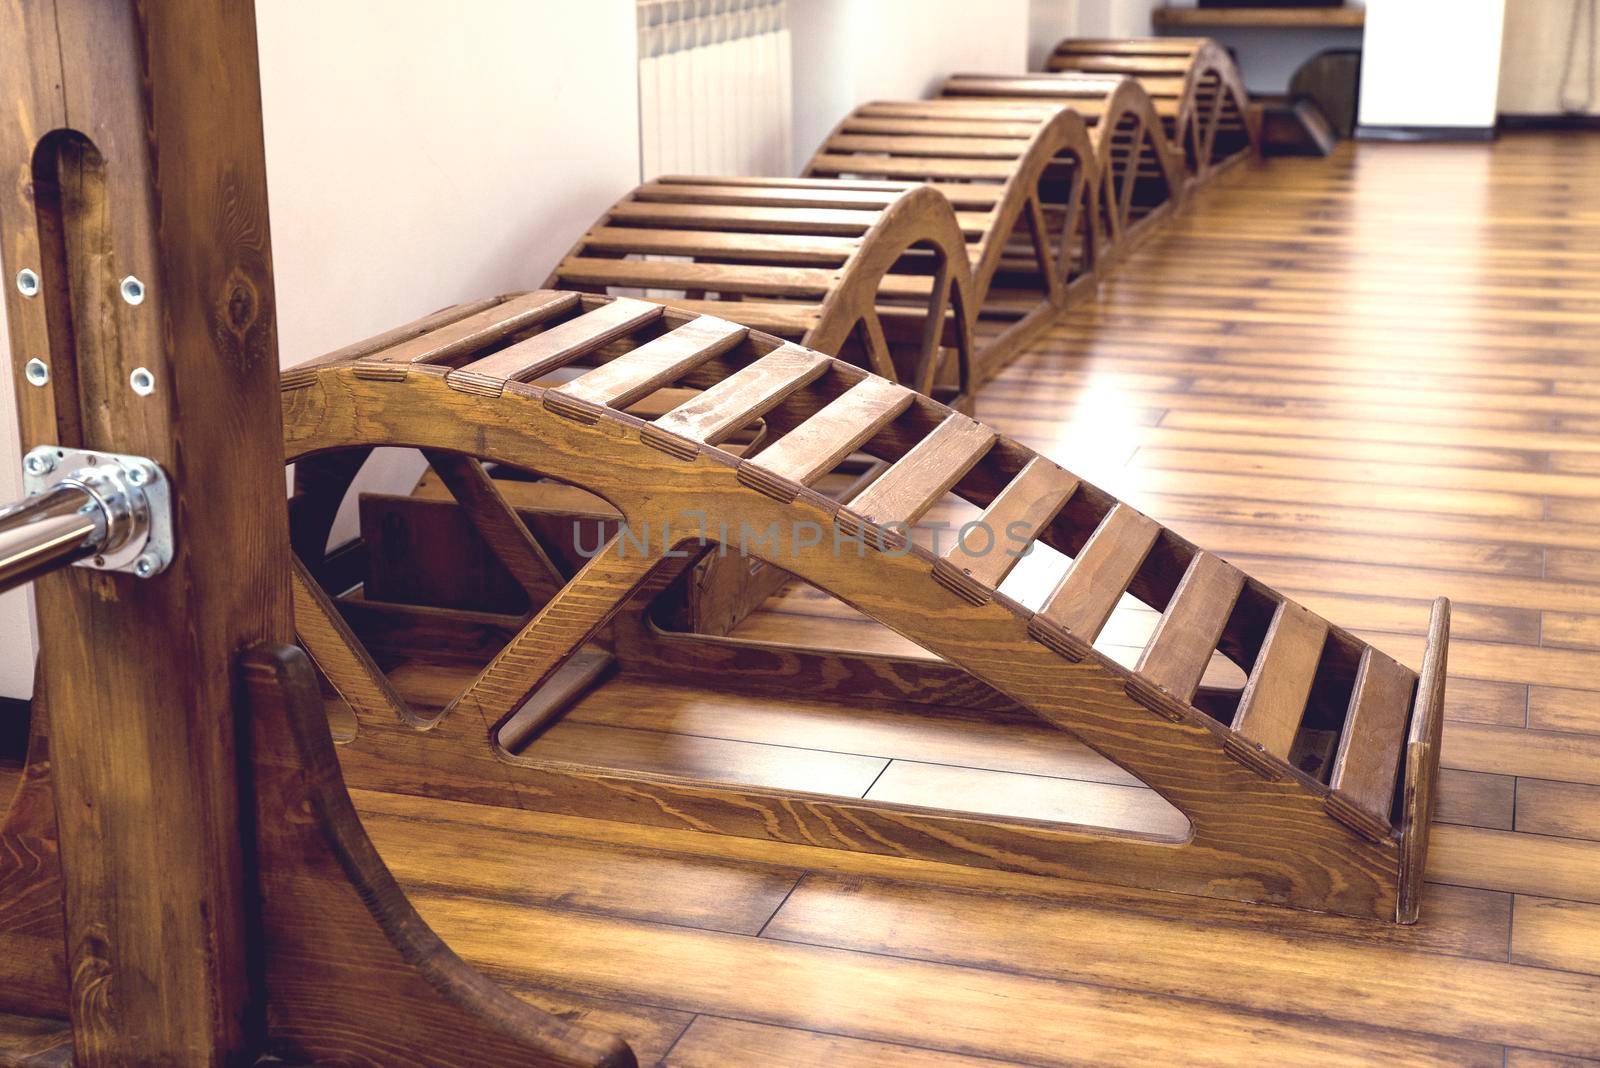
1368	380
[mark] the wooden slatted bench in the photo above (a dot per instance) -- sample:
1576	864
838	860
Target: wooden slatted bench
1141	175
1312	786
1025	183
1196	87
872	271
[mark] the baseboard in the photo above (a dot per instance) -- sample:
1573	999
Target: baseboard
14	714
1550	122
1424	133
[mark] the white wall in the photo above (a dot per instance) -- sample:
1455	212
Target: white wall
1535	55
1051	20
1118	18
1431	64
847	52
1048	22
418	154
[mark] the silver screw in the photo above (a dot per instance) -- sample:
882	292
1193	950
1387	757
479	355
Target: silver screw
36	372
132	290
142	381
146	565
39	463
138	475
27	282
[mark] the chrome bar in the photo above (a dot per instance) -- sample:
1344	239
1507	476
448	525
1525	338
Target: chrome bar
52	530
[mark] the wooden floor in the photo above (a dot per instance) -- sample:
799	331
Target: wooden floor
1368	381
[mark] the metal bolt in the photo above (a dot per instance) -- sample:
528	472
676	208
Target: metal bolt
39	463
142	381
28	282
146	565
36	372
132	290
138	475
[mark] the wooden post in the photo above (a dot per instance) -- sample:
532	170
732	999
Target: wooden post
133	149
212	913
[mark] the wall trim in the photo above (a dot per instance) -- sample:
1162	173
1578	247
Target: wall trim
1550	122
1425	133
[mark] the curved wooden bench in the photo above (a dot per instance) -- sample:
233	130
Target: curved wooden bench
1141	177
1196	87
1312	789
874	272
1025	183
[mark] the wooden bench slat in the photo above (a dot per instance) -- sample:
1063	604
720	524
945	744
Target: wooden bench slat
1374	733
655	363
840	197
912	166
475	331
1132	46
785	319
559	345
1186	636
427	324
971	194
1088	593
1160	86
796	249
906	286
974	224
782	183
1102	64
753	279
816	446
951	127
793	320
971	110
744	395
1093	110
918	145
1025	506
1065	86
917	480
847	223
1274	697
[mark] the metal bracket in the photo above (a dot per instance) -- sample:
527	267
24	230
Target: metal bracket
132	492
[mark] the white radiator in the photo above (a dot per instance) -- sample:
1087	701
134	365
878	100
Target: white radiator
714	89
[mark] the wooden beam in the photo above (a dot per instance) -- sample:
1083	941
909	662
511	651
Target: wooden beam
134	150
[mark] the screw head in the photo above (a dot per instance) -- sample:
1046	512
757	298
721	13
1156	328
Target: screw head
138	475
39	463
28	282
132	290
36	371
146	565
142	381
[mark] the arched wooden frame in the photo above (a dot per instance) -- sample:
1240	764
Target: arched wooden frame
1262	829
1141	176
1024	180
875	271
1215	124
